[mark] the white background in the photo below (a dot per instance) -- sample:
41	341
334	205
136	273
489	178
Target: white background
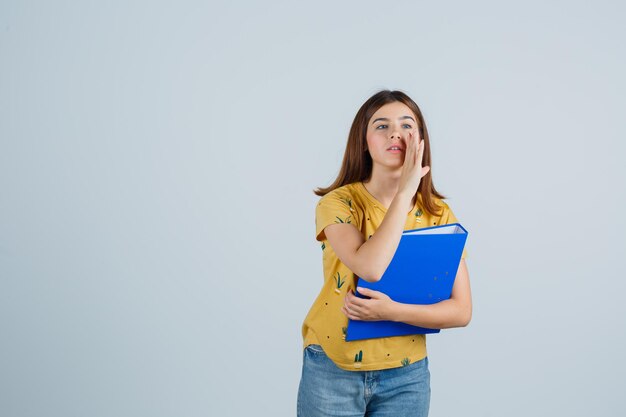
157	162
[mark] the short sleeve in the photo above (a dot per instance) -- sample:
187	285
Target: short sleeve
448	217
333	208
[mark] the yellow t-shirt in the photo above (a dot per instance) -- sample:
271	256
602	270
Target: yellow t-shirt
325	323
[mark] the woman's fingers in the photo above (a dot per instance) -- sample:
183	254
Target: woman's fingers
350	307
425	169
420	153
417	151
345	311
349	315
354	304
353	300
412	147
351	311
411	168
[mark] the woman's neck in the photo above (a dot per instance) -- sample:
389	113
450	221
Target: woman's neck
385	187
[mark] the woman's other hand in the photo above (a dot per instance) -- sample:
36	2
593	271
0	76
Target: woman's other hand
378	307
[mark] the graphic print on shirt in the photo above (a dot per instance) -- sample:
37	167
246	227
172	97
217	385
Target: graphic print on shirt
339	283
346	220
418	215
405	361
358	358
348	201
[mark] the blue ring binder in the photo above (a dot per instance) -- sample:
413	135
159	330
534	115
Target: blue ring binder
422	271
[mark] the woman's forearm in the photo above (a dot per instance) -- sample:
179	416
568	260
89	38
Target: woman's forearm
442	315
378	251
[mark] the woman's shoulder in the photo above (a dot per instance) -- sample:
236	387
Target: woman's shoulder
344	199
446	213
443	204
345	192
439	205
439	202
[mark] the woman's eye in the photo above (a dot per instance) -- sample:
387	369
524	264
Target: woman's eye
408	126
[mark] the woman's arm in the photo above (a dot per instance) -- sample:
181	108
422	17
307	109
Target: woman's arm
369	259
454	312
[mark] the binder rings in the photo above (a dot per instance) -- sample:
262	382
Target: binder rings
422	271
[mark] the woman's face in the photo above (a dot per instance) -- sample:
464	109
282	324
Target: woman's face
389	127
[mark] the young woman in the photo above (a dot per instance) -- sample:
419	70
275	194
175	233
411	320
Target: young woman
384	187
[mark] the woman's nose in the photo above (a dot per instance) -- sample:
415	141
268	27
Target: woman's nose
395	135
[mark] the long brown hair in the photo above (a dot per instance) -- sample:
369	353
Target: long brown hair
357	161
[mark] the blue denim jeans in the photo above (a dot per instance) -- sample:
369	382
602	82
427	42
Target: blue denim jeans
327	390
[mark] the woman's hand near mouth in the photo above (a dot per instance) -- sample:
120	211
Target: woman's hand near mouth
412	170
